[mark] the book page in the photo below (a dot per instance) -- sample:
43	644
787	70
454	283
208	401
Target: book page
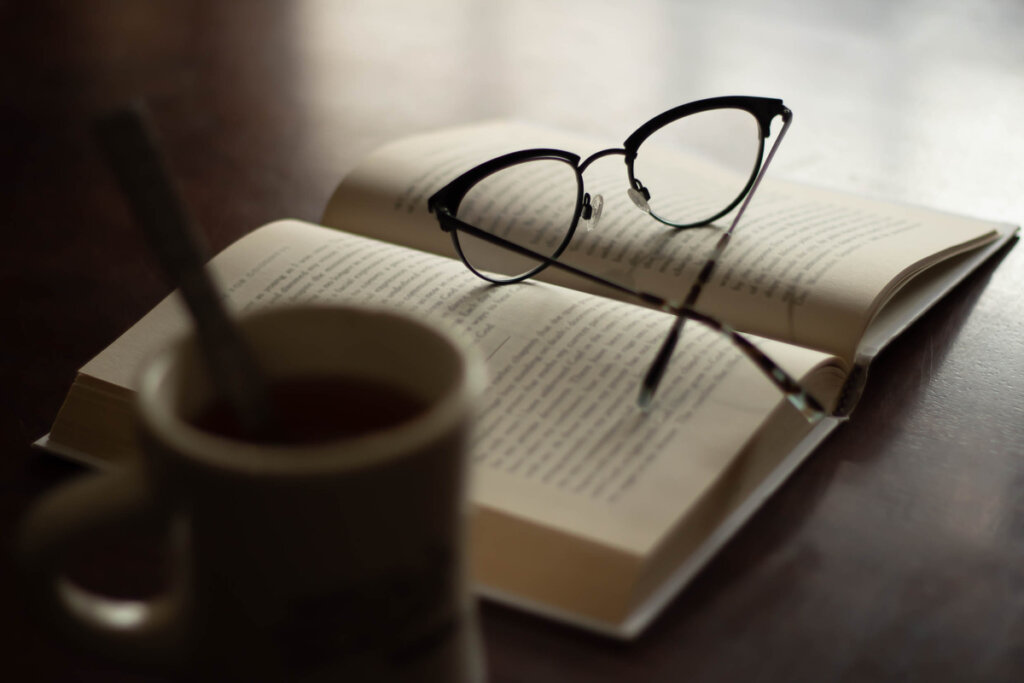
808	266
560	439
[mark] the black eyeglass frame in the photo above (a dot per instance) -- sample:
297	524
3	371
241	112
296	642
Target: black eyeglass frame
445	204
762	109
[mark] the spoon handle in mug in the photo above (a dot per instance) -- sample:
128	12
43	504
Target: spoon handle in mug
130	147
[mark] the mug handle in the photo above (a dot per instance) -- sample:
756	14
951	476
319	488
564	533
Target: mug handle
142	632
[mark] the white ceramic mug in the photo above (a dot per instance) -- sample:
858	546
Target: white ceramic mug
342	559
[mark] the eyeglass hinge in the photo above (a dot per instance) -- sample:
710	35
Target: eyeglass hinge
441	213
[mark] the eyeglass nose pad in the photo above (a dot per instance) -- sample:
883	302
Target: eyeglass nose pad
640	195
592	207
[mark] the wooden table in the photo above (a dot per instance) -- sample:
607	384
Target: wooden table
896	552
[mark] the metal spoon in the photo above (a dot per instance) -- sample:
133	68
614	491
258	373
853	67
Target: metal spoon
131	149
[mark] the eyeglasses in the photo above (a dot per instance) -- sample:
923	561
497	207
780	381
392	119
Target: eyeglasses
515	215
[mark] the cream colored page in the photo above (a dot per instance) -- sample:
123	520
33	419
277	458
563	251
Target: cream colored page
560	439
385	197
806	265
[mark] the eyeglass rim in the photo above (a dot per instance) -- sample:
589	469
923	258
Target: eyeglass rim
448	199
762	109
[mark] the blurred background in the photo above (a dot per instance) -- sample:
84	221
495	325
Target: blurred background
893	95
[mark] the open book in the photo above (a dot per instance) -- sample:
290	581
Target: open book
585	508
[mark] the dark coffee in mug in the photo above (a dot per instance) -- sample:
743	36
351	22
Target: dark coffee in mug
321	408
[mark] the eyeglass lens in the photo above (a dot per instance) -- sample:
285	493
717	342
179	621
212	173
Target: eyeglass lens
722	150
531	204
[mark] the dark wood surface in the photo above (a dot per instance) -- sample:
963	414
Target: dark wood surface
895	553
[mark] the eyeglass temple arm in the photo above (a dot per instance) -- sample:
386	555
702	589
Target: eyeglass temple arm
797	395
654	374
787	118
723	241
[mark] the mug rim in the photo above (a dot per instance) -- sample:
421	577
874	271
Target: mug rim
161	420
